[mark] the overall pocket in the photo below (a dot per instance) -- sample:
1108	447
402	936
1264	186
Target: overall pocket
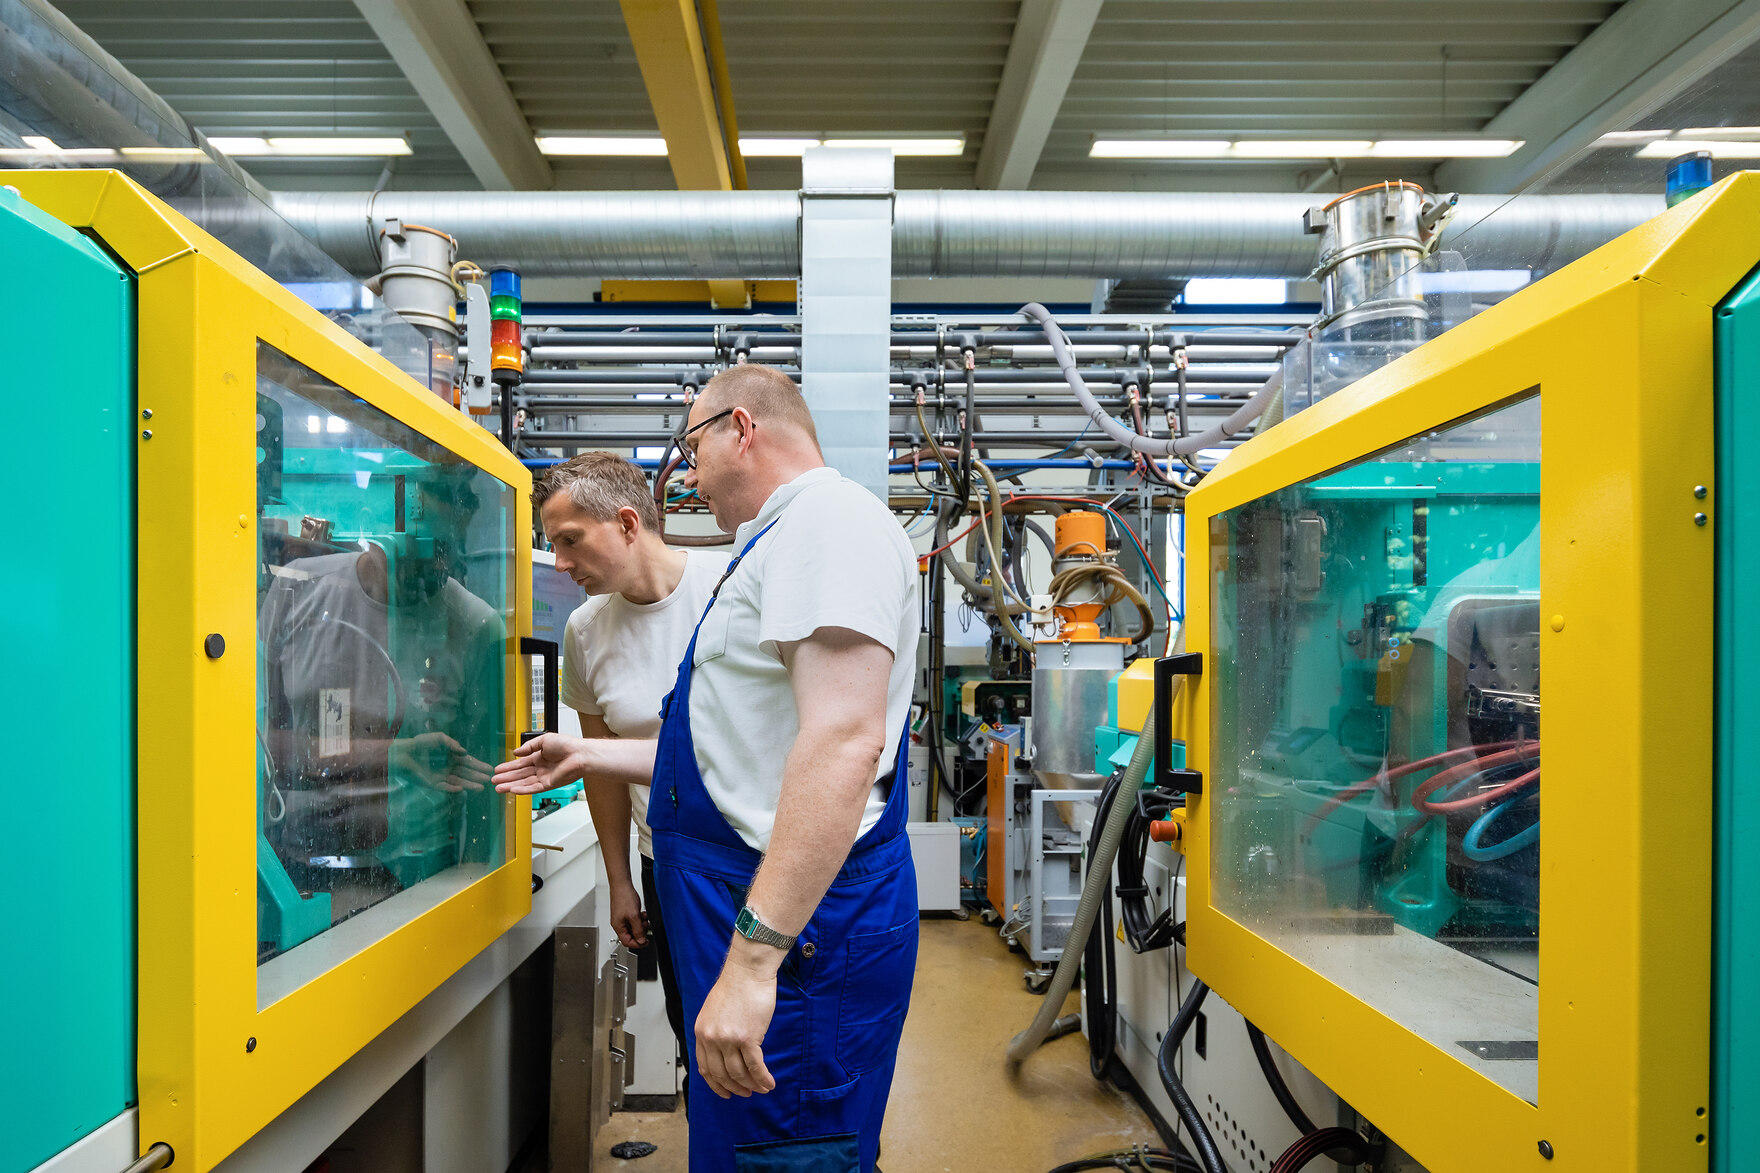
876	995
712	635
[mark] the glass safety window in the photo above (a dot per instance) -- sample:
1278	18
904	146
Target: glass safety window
384	578
1376	723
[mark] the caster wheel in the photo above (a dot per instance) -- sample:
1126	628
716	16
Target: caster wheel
988	915
1037	982
961	914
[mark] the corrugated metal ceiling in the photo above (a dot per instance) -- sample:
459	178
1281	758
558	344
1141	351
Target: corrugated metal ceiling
1181	68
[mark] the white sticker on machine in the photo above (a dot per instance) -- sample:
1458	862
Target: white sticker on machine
333	714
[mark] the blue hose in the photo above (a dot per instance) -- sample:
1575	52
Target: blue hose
1473	847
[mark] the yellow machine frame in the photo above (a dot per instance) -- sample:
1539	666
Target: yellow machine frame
213	1068
1619	345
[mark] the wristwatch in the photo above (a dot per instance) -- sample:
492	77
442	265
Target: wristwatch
751	928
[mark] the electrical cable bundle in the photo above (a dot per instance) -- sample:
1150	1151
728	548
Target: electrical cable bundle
1314	1146
1144	930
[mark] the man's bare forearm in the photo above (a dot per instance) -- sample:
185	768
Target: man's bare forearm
617	759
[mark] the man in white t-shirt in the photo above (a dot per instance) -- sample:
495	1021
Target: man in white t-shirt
781	747
619	655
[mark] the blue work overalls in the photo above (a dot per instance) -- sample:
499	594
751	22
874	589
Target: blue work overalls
842	991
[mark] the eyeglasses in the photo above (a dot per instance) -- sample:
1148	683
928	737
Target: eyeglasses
688	449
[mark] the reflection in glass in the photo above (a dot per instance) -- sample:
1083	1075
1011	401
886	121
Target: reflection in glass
384	574
1377	724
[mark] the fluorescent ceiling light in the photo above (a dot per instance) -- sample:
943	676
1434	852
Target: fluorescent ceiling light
905	146
1668	148
1615	138
755	148
1446	148
1736	132
40	145
612	146
1158	149
310	148
1234	291
192	154
1303	149
775	148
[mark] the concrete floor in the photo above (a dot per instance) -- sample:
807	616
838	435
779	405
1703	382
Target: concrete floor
954	1106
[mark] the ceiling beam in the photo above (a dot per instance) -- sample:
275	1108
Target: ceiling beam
668	40
1640	56
1047	44
442	52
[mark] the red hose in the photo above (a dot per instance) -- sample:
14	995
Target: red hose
1471	752
1471	801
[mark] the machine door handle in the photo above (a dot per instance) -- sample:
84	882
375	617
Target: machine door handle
1166	777
552	657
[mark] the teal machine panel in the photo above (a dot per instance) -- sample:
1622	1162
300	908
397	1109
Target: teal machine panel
68	872
1376	624
1735	1035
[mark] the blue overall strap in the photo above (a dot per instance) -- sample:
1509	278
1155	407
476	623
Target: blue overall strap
690	651
733	566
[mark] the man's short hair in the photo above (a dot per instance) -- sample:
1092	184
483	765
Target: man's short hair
766	392
599	484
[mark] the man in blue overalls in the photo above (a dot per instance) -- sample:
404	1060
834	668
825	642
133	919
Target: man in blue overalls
782	746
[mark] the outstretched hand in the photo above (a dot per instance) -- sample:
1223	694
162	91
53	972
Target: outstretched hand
543	763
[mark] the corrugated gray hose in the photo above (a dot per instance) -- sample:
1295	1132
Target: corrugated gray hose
1149	445
1099	876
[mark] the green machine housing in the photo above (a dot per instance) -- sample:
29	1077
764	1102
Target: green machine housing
69	713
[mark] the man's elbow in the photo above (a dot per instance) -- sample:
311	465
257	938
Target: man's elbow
857	746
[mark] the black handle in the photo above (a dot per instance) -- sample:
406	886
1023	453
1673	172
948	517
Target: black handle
1166	777
552	660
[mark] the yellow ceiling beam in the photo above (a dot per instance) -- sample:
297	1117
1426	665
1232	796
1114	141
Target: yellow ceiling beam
668	40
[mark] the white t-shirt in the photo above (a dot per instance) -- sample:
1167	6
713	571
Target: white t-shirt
836	558
619	659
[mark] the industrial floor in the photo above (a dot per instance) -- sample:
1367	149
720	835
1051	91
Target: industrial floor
954	1107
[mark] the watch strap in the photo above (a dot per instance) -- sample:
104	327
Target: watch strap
750	927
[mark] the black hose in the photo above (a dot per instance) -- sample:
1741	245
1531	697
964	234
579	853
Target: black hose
938	776
1157	1159
1138	1158
965	433
1208	1153
1099	959
1274	1077
1347	1147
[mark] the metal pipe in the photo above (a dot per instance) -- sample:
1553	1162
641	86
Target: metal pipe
541	352
756	234
655	378
667	338
156	1157
626	439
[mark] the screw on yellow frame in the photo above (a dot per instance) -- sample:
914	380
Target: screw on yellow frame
213	1068
1619	345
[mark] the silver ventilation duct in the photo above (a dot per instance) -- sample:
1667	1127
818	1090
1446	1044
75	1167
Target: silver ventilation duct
756	234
